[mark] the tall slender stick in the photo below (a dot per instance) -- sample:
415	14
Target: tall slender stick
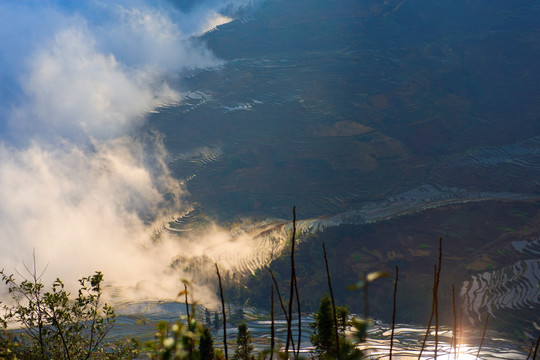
281	302
333	303
432	312
224	316
279	294
536	348
394	313
190	348
483	336
299	319
530	351
185	300
293	279
437	299
453	345
272	329
460	329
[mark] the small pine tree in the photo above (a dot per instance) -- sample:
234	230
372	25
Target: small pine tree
243	344
323	337
206	345
342	313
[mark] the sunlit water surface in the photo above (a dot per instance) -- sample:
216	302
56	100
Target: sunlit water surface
139	320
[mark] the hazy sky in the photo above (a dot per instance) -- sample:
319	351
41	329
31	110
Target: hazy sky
76	79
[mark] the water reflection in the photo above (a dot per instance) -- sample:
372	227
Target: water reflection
139	319
408	342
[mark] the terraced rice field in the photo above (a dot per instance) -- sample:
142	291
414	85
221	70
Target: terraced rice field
513	167
355	123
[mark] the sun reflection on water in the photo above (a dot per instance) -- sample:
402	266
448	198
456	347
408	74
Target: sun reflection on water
408	342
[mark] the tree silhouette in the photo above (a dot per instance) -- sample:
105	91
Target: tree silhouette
206	345
323	335
243	344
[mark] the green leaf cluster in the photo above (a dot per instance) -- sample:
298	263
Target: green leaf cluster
244	348
178	341
323	336
55	325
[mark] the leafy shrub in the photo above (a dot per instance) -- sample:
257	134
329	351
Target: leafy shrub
54	326
179	341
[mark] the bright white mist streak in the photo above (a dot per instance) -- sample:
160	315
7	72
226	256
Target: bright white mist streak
81	190
79	210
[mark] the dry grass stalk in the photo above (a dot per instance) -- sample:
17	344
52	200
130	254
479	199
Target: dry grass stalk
299	319
394	312
333	303
432	313
281	303
224	316
483	336
453	344
293	280
436	291
272	328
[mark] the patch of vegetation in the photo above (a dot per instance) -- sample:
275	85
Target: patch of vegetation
56	325
505	229
59	325
519	213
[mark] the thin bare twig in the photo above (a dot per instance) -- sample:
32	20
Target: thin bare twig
281	302
224	316
530	351
437	299
272	329
333	303
483	336
394	312
293	279
186	301
299	319
453	345
535	349
434	305
432	312
460	329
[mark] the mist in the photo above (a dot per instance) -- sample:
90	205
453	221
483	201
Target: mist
77	181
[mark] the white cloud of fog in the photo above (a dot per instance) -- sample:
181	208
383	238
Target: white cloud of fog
149	37
74	183
73	89
81	211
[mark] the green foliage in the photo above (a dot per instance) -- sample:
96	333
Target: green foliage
8	347
127	349
243	348
54	325
206	345
323	328
342	314
323	337
179	341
